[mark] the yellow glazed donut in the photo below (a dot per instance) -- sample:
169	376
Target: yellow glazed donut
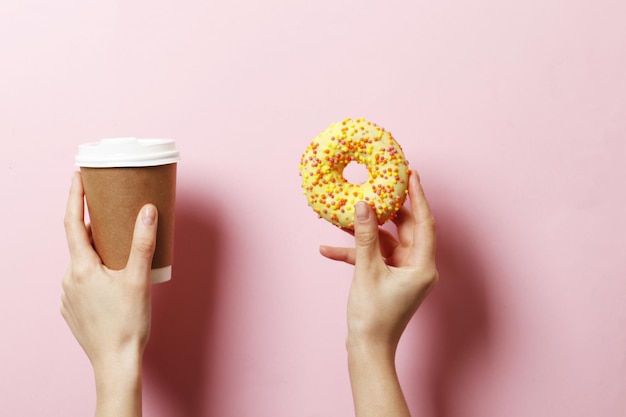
330	195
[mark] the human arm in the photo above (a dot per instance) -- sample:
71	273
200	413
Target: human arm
391	279
109	311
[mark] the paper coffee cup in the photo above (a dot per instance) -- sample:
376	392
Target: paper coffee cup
120	175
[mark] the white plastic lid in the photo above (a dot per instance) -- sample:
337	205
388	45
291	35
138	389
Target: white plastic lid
127	152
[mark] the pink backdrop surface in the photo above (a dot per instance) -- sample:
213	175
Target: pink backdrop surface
513	112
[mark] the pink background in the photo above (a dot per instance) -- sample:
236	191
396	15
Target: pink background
513	112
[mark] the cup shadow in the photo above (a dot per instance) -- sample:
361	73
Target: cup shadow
183	316
458	314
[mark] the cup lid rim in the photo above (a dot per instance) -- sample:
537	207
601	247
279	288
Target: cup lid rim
127	152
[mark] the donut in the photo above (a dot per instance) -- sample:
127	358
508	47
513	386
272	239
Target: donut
333	197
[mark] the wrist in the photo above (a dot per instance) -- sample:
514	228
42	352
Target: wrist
119	384
375	386
371	339
118	376
113	363
370	348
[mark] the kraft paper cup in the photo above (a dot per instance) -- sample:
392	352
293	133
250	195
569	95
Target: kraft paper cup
120	175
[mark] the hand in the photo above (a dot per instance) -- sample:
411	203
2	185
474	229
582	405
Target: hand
109	311
391	276
391	279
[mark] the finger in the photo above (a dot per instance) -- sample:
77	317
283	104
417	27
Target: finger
424	238
76	233
388	242
346	255
366	232
405	225
144	242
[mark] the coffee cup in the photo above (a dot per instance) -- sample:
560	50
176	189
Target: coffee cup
119	176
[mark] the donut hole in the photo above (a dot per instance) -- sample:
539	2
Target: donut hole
355	173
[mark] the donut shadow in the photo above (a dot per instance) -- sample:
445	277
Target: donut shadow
458	316
183	316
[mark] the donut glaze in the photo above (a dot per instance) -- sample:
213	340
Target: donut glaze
330	195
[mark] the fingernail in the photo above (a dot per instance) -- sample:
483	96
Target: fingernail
148	216
362	211
416	175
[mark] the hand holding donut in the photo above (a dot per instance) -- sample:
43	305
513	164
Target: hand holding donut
391	279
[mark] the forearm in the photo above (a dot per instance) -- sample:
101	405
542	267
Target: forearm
375	386
118	387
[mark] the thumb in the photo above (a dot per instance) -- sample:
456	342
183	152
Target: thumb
366	235
144	241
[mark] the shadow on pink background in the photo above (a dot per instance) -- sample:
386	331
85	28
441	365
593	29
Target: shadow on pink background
183	310
461	314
